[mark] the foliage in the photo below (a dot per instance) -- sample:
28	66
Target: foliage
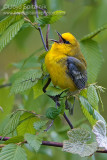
10	33
49	19
93	55
12	124
52	112
26	125
25	80
15	3
40	124
34	141
5	23
13	151
91	114
99	129
77	143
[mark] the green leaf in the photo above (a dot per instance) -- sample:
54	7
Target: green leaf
26	126
99	129
79	135
93	34
62	106
10	33
41	58
12	124
90	113
6	103
52	112
54	91
84	93
78	143
93	97
52	18
25	80
13	152
4	23
39	124
15	139
38	89
34	141
15	3
100	89
93	56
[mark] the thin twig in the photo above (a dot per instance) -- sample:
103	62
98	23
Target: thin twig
33	24
5	85
48	28
47	44
4	138
39	28
54	144
32	112
68	121
44	10
49	126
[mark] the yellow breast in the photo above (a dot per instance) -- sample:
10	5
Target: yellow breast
57	68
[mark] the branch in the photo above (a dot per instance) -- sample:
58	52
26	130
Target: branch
49	143
48	28
4	138
54	144
39	28
5	85
68	121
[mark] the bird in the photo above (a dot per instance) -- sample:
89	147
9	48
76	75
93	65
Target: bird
66	64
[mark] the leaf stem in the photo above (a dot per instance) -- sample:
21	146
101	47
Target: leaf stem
49	126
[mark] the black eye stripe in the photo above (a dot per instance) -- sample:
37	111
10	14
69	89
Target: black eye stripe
67	42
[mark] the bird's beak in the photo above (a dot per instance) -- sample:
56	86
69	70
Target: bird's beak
60	38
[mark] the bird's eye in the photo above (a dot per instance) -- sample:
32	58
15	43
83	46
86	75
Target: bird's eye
67	42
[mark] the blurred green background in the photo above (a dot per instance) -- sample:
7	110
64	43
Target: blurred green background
82	17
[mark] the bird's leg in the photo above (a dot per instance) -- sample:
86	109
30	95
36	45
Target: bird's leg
56	99
46	85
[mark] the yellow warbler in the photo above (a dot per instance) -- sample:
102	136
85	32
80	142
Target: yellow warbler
66	64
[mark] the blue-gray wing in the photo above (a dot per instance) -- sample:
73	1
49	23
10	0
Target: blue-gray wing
77	71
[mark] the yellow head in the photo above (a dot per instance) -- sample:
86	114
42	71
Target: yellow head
67	43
